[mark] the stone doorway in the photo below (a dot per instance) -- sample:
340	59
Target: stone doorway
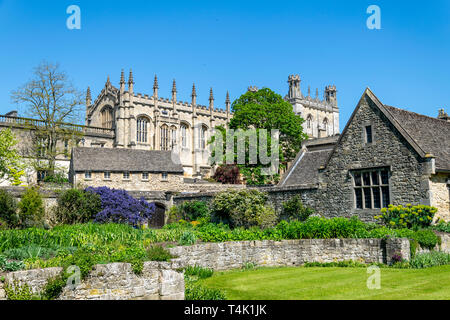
157	221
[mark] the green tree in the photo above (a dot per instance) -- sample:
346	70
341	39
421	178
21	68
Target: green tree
264	109
11	166
51	98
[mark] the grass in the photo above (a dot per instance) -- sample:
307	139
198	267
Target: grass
332	284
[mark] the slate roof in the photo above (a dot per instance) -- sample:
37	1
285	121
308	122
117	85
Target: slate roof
431	134
114	160
305	167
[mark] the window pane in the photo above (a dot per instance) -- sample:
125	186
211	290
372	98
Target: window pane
358	196
375	179
376	198
386	198
369	134
367	198
357	179
384	177
366	178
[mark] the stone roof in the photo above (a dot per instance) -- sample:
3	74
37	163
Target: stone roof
305	168
132	160
431	134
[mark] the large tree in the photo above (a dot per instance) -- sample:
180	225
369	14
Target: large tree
51	98
264	109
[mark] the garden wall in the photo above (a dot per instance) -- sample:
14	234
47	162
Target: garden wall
231	255
115	281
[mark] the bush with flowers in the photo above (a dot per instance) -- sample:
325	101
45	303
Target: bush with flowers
411	217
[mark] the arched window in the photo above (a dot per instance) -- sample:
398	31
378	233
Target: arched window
107	118
183	135
309	121
164	137
325	124
173	135
202	137
142	130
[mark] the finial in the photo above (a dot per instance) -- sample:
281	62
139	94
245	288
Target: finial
174	86
108	83
122	78
155	83
309	91
88	96
194	93
317	93
227	100
131	80
211	95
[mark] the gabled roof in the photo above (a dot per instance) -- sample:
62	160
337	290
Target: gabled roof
305	167
132	160
429	137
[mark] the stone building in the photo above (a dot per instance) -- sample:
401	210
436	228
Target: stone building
384	156
321	116
140	121
132	170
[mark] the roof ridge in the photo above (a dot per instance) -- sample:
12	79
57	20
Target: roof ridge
416	113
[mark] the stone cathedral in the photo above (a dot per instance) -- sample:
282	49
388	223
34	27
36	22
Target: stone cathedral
146	122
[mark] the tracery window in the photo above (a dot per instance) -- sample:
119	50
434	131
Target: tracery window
142	130
164	137
107	118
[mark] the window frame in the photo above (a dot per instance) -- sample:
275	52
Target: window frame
362	189
164	176
126	175
88	175
107	175
143	176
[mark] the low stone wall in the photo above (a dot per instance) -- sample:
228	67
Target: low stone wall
115	281
230	255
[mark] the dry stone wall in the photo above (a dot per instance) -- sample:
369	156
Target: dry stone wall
115	281
231	255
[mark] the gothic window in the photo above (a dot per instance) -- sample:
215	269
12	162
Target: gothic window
164	137
173	134
183	136
325	124
309	122
142	130
202	137
107	118
371	188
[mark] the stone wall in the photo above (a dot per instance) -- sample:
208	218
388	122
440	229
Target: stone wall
230	255
115	281
440	195
408	182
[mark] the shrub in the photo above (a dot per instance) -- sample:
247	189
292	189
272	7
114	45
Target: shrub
188	238
426	238
190	211
19	292
31	209
57	178
442	226
412	217
431	259
244	208
158	253
119	207
197	271
196	291
8	210
77	206
227	174
293	209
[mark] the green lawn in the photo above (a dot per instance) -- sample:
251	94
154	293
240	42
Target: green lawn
332	284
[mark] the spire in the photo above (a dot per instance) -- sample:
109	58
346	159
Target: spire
108	82
130	82
174	86
309	91
194	93
211	99
122	78
155	87
155	83
317	93
227	100
88	97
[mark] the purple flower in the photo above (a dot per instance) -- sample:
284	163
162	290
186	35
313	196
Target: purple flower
119	207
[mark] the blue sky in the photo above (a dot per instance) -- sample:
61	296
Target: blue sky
230	45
